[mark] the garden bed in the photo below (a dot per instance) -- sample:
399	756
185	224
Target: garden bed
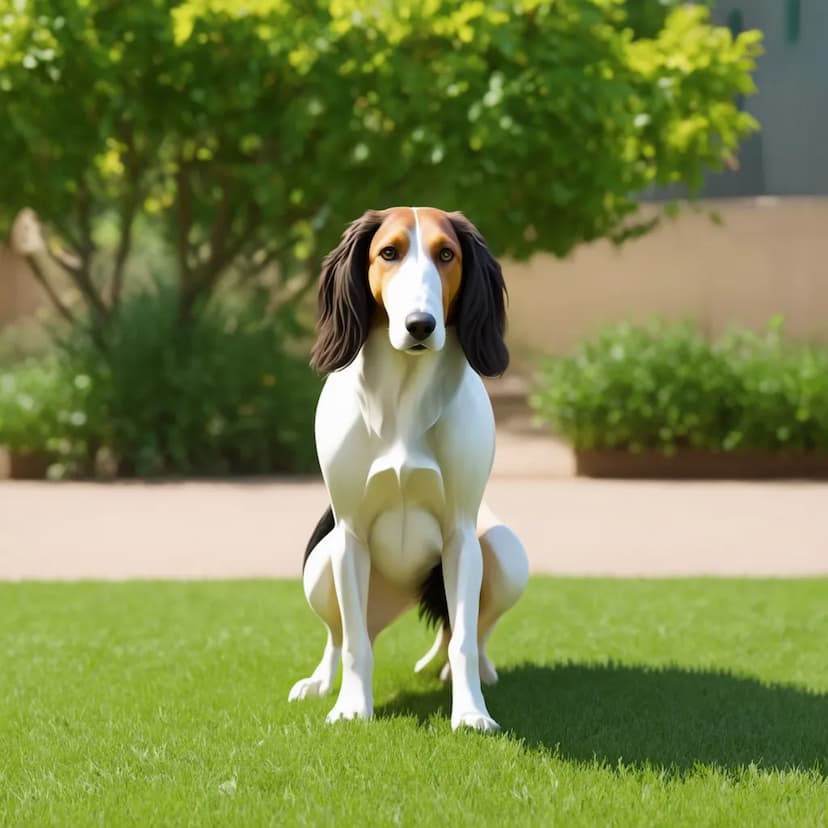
662	401
25	465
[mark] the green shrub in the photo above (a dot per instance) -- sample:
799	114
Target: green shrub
665	387
222	394
26	338
44	410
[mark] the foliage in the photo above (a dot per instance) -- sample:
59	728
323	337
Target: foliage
666	387
222	395
646	17
251	133
25	338
646	702
44	409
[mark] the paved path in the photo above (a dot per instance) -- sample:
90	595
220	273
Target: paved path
570	526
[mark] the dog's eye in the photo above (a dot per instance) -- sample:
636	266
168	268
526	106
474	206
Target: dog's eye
446	254
388	253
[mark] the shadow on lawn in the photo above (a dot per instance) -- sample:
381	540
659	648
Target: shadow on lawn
668	717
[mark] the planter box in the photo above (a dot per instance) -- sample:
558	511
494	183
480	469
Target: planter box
699	465
25	465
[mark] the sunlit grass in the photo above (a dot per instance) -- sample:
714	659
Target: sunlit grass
697	702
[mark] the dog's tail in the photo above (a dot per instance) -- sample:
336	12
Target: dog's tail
433	605
323	527
438	648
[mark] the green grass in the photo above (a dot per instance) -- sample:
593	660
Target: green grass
697	702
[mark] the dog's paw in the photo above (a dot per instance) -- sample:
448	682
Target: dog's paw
344	712
445	673
308	688
475	721
488	674
351	705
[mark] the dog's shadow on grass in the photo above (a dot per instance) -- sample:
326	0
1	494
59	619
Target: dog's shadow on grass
671	718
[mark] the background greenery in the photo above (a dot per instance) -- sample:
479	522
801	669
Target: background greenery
224	394
666	386
219	147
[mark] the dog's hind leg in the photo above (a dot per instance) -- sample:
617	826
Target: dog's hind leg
386	602
321	594
505	575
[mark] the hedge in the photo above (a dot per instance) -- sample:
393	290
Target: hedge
666	387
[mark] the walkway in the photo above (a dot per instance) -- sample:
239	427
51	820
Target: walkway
570	526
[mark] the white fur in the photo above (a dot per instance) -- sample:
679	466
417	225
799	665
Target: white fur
406	445
415	287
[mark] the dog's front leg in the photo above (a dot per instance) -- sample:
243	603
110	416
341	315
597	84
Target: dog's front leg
351	565
463	575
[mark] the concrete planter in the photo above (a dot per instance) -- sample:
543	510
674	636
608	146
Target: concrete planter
692	464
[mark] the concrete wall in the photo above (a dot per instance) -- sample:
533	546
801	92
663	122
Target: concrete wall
790	155
769	256
20	295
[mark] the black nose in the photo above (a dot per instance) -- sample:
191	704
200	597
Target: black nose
420	325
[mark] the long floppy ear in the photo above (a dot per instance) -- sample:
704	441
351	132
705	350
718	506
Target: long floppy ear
345	302
480	308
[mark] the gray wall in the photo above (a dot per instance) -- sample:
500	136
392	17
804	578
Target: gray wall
789	156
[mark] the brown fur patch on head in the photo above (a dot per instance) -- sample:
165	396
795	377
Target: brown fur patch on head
393	232
355	274
436	235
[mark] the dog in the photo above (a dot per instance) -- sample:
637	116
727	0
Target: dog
411	315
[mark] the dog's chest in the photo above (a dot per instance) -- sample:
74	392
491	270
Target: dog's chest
404	510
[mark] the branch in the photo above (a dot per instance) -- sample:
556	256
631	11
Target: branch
228	252
82	275
221	224
308	284
62	259
270	257
208	275
66	233
63	309
184	204
129	207
40	275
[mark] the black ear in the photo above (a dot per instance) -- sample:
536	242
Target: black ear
346	306
480	308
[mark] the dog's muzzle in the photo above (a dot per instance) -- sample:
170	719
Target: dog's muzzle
420	326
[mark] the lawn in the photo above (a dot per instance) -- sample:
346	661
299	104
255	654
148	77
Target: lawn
697	702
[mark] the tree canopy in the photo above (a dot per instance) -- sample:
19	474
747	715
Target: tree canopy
250	133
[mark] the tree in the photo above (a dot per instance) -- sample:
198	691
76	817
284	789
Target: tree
251	135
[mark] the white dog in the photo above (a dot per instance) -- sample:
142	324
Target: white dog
411	312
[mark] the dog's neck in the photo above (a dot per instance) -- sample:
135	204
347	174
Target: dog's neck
402	395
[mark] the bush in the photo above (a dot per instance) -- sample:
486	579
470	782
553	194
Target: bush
44	410
220	395
665	387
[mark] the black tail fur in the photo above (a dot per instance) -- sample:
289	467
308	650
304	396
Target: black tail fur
433	605
325	524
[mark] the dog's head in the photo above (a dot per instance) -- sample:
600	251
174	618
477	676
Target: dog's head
421	270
